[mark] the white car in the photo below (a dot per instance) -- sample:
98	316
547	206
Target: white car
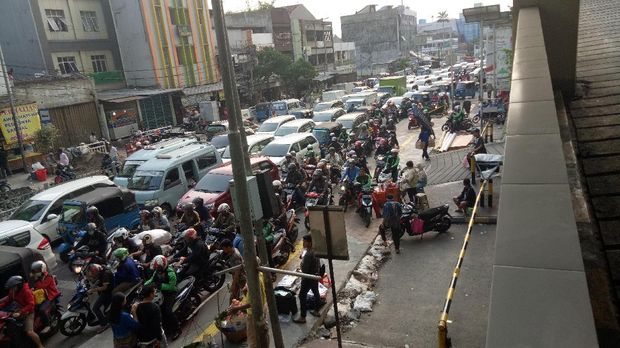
43	209
272	124
256	143
297	126
276	150
22	234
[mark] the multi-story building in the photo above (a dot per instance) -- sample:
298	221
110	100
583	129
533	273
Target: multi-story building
438	39
275	21
380	35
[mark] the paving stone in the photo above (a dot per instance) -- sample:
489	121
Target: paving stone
594	121
598	133
606	207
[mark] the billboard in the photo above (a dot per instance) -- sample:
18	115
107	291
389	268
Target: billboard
27	118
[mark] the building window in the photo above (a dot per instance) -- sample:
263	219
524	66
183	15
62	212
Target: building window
89	20
67	65
56	20
99	63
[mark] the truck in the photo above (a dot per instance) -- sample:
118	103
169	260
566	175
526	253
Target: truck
333	95
398	83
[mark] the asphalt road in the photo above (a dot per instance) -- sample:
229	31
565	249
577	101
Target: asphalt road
202	324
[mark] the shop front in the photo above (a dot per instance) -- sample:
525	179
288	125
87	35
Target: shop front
29	123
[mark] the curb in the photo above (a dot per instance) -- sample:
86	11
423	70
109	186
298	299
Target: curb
488	220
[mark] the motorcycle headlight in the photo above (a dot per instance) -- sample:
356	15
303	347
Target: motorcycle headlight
343	188
151	202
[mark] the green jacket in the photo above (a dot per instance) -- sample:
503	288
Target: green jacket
366	181
170	286
268	233
392	162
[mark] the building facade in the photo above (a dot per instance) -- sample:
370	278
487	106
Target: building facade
275	21
54	37
380	35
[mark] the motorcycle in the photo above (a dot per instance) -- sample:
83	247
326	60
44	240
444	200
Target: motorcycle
110	167
413	123
12	332
282	247
451	127
215	236
379	166
312	199
68	238
346	194
417	223
365	208
78	259
63	174
206	278
288	192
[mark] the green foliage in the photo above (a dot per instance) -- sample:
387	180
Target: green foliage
400	64
46	138
509	54
271	62
298	76
442	16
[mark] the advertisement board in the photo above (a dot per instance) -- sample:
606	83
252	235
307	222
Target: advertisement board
27	118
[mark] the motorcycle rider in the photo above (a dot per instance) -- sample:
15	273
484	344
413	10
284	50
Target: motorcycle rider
383	132
165	278
310	156
296	179
359	149
350	172
383	148
127	274
149	250
391	164
335	160
202	211
363	134
194	254
392	140
334	143
319	185
94	239
92	215
190	217
457	117
43	281
289	159
160	220
120	239
146	220
101	279
362	183
19	292
225	220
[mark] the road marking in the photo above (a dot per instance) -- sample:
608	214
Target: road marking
212	330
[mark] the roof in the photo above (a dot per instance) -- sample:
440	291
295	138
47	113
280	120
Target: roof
151	151
349	116
99	194
226	168
279	119
10	226
177	155
297	123
327	125
129	94
287	139
55	192
327	111
251	139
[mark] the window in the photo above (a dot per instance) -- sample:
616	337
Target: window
110	207
265	166
172	179
67	65
206	161
18	240
56	20
99	63
89	20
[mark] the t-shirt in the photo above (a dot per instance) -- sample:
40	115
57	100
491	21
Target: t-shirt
149	318
263	295
479	142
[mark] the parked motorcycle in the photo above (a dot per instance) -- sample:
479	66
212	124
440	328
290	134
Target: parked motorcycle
365	208
63	174
434	219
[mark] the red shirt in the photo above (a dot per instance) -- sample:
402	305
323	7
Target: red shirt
24	298
48	284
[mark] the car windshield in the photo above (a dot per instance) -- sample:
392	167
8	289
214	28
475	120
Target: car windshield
282	131
263	107
279	106
145	180
461	86
72	213
322	106
30	211
268	127
216	128
348	124
129	168
322	117
276	150
213	183
385	89
220	141
322	135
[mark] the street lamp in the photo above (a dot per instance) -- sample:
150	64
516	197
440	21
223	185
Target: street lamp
480	15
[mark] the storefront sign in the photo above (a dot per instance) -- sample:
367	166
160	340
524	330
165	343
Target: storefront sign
27	118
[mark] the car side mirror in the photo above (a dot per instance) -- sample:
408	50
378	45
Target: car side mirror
52	216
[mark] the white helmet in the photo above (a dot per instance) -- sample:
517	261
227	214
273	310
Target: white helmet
277	184
157	210
224	207
121	233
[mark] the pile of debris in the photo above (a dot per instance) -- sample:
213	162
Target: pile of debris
357	296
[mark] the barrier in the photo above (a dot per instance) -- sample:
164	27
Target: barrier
442	327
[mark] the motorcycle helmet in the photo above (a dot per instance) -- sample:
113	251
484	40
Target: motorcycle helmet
92	211
158	210
457	108
394	151
382	142
145	213
120	234
121	254
14	282
293	153
277	184
288	155
332	134
190	233
223	208
38	269
358	144
292	167
188	207
91	227
351	162
363	126
159	262
334	139
147	239
317	173
352	153
198	202
332	149
93	270
309	147
382	127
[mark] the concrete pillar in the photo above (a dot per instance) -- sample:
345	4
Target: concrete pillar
560	22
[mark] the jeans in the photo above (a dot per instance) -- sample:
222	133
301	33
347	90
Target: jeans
102	302
396	234
411	193
425	151
169	320
306	286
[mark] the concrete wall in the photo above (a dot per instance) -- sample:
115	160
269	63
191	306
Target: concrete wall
539	293
258	21
52	92
19	39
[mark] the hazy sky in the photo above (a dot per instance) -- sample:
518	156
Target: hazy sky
332	9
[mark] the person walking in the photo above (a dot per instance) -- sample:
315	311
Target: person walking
425	135
149	317
409	181
391	213
124	327
309	264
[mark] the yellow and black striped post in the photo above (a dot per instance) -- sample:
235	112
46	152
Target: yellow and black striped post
491	132
472	169
442	328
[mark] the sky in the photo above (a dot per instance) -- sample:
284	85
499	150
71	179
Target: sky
331	10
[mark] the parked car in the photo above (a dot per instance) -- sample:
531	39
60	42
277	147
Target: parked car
21	234
214	187
162	180
298	142
271	125
301	113
43	209
329	115
256	143
297	126
283	107
465	89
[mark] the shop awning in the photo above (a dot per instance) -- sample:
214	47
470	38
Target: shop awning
126	94
122	100
322	78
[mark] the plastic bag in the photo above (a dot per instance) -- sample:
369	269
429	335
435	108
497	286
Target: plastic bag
419	144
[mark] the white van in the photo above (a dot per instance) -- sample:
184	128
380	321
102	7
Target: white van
161	181
276	150
282	107
150	151
272	124
256	143
42	210
333	95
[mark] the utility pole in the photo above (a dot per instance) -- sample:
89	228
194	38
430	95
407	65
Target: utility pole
480	98
9	92
238	153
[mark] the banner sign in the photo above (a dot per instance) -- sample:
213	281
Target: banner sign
27	118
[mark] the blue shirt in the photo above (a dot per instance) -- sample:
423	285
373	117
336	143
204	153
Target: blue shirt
127	272
125	326
238	243
350	173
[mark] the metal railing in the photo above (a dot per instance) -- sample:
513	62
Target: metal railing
442	334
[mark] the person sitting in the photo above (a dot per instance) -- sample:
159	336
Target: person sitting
43	281
391	164
360	152
383	148
350	172
92	215
94	240
310	156
334	158
467	198
19	293
101	280
457	117
225	220
392	140
146	221
363	133
120	239
319	185
334	143
295	178
194	254
202	211
127	274
190	218
362	183
289	159
148	251
160	220
383	132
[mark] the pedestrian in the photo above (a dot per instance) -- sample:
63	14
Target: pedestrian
238	241
233	258
63	159
425	135
391	213
422	178
467	198
124	327
113	153
148	316
409	180
309	264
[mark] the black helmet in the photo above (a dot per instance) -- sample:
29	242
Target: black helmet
292	167
91	227
92	210
188	206
13	282
198	202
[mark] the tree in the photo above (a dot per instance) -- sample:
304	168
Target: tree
399	65
298	77
270	62
442	17
47	138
